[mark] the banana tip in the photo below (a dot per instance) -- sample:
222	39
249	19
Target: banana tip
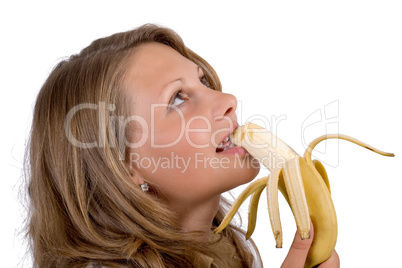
305	235
217	230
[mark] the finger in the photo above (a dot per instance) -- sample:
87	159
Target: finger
298	251
332	262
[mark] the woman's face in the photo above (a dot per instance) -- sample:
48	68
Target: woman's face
179	124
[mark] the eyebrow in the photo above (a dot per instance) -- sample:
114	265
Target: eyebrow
180	79
174	81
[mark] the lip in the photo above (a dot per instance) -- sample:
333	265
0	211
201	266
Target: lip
236	149
233	128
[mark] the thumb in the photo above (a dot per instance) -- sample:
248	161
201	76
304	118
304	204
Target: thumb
298	251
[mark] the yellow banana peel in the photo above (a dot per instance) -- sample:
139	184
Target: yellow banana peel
302	181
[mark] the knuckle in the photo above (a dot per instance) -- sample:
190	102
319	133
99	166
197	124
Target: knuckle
301	244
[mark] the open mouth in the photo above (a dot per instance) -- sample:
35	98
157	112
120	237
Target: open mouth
224	145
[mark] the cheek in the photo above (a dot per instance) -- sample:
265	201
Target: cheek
198	132
167	133
180	134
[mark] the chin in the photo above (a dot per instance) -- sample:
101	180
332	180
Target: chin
253	175
251	172
254	168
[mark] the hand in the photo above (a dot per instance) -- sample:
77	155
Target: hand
298	253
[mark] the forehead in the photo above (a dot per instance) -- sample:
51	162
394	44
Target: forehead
152	61
150	72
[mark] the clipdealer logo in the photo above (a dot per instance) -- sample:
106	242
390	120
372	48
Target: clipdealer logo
112	130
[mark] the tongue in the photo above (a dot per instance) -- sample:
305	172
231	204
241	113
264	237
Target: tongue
218	150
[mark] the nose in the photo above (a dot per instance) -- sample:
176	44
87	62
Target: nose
224	106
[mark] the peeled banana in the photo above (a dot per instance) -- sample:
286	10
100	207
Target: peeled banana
303	182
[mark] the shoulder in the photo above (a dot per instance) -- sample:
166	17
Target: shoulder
225	248
94	265
203	261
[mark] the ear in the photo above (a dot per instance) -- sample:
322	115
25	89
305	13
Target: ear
134	174
136	177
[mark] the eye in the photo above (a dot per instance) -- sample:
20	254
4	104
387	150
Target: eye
178	99
205	82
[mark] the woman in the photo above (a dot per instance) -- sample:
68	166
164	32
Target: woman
129	157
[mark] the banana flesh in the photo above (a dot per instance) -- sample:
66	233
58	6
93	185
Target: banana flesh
302	181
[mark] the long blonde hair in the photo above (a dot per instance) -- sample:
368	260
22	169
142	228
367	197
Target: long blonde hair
84	207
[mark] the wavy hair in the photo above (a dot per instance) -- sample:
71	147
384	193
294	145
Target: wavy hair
84	207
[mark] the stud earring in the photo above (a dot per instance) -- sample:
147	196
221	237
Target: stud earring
144	187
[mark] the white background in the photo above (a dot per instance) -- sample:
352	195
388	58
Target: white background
279	58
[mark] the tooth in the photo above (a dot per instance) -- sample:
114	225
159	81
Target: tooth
227	139
220	145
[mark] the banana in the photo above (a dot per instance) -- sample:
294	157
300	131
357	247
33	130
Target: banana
302	181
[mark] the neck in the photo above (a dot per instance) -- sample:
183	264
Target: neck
199	217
